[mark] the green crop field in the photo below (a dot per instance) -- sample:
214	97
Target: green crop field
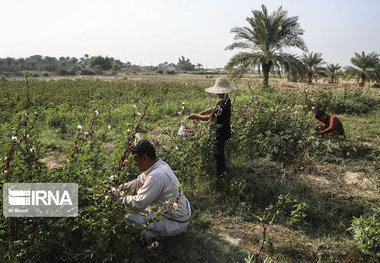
303	197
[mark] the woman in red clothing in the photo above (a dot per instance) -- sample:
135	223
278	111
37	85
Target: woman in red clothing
330	125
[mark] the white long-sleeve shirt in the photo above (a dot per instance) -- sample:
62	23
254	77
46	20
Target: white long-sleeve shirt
157	186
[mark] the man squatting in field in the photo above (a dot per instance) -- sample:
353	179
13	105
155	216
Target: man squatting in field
221	115
155	187
330	125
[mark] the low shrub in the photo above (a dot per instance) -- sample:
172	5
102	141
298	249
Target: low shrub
58	120
64	72
99	232
281	132
87	72
357	102
366	232
170	72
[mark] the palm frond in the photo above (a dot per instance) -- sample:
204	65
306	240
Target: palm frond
242	45
240	63
265	38
291	65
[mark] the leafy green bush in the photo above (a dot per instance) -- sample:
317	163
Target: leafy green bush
170	72
58	120
99	233
64	72
178	151
344	102
376	160
87	72
366	232
280	132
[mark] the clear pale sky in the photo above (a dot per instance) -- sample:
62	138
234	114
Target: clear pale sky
149	32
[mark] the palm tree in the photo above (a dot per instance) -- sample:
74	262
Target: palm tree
333	71
263	42
365	67
313	64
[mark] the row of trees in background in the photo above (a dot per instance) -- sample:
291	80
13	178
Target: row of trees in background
366	68
263	43
87	65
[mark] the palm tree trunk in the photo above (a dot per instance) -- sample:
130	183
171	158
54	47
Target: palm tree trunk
310	76
362	77
266	70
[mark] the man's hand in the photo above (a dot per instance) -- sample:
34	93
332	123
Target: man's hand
319	128
128	187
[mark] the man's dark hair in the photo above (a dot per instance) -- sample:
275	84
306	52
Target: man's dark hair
319	114
145	147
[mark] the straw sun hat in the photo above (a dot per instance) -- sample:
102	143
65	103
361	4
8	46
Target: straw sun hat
221	86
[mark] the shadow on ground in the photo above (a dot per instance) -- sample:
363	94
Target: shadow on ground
193	246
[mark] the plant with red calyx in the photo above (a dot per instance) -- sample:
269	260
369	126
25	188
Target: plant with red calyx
9	158
128	148
246	107
76	149
92	124
103	136
264	221
28	126
34	225
108	126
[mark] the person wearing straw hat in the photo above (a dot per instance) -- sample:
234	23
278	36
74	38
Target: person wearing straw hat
220	115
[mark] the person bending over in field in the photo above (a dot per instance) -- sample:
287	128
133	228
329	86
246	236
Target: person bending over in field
221	116
330	125
156	187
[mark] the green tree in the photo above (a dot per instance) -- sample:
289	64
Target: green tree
185	64
84	61
333	71
74	64
313	63
98	69
263	42
115	68
50	63
103	62
35	62
365	67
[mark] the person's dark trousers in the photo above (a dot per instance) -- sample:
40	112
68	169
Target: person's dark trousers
220	157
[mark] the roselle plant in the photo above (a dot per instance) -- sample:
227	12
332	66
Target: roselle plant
99	232
272	130
280	132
